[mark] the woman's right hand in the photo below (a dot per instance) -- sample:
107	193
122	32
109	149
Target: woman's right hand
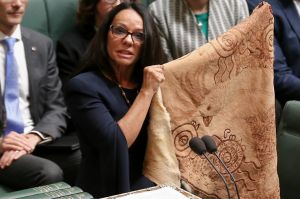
153	76
131	123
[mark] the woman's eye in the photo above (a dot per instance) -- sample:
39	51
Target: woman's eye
120	30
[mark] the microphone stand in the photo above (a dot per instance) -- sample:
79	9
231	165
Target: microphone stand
211	147
223	179
231	176
199	147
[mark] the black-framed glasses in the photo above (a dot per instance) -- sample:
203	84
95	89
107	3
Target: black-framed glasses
120	32
110	1
115	1
10	1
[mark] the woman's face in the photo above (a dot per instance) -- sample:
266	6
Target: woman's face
103	7
125	38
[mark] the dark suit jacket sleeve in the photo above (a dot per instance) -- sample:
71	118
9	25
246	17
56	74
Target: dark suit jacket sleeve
286	80
287	84
53	120
47	106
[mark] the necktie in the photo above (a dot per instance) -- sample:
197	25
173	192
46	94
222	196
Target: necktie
11	91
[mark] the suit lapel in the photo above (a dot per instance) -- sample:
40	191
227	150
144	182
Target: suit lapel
31	54
291	12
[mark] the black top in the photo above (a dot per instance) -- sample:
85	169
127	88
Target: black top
108	167
70	49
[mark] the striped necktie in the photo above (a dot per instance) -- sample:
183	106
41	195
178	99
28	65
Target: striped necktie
14	121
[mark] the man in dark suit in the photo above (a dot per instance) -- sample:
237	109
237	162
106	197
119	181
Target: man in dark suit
40	102
286	46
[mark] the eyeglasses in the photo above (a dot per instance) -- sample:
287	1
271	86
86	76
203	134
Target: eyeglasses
115	1
10	1
120	32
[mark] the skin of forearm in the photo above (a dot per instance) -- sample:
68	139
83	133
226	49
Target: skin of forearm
133	120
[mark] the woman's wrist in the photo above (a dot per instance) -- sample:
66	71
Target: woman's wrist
148	93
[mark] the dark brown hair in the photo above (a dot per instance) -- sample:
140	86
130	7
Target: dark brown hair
86	13
97	58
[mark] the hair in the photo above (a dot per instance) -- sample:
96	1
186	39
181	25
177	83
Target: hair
97	58
86	13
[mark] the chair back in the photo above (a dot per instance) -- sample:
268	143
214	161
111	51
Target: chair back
288	147
51	17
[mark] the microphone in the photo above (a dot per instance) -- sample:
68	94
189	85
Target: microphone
211	147
197	145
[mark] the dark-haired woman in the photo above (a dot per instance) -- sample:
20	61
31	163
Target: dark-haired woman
109	103
74	43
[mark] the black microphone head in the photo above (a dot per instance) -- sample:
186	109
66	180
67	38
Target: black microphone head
210	144
197	145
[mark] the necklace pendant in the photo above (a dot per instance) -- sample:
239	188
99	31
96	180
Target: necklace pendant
124	95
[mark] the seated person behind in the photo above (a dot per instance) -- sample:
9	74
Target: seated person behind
109	102
73	44
32	105
186	25
286	46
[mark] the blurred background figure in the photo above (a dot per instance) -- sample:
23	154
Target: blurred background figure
110	101
188	24
32	104
73	44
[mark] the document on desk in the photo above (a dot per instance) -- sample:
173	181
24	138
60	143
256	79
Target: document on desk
162	193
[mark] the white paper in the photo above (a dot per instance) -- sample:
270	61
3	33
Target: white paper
162	193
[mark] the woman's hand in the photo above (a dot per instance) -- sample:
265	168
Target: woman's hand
153	76
133	120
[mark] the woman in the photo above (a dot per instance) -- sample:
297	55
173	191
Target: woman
109	103
73	44
189	24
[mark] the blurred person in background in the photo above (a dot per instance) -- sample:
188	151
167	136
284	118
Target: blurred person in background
74	43
186	25
286	47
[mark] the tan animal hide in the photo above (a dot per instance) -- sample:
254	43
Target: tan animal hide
223	89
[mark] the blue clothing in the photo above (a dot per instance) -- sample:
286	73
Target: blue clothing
108	166
287	48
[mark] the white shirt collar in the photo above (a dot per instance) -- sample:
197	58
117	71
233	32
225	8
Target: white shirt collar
16	34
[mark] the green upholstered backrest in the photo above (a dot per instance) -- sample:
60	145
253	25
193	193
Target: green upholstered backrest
36	16
288	146
147	2
4	189
50	17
